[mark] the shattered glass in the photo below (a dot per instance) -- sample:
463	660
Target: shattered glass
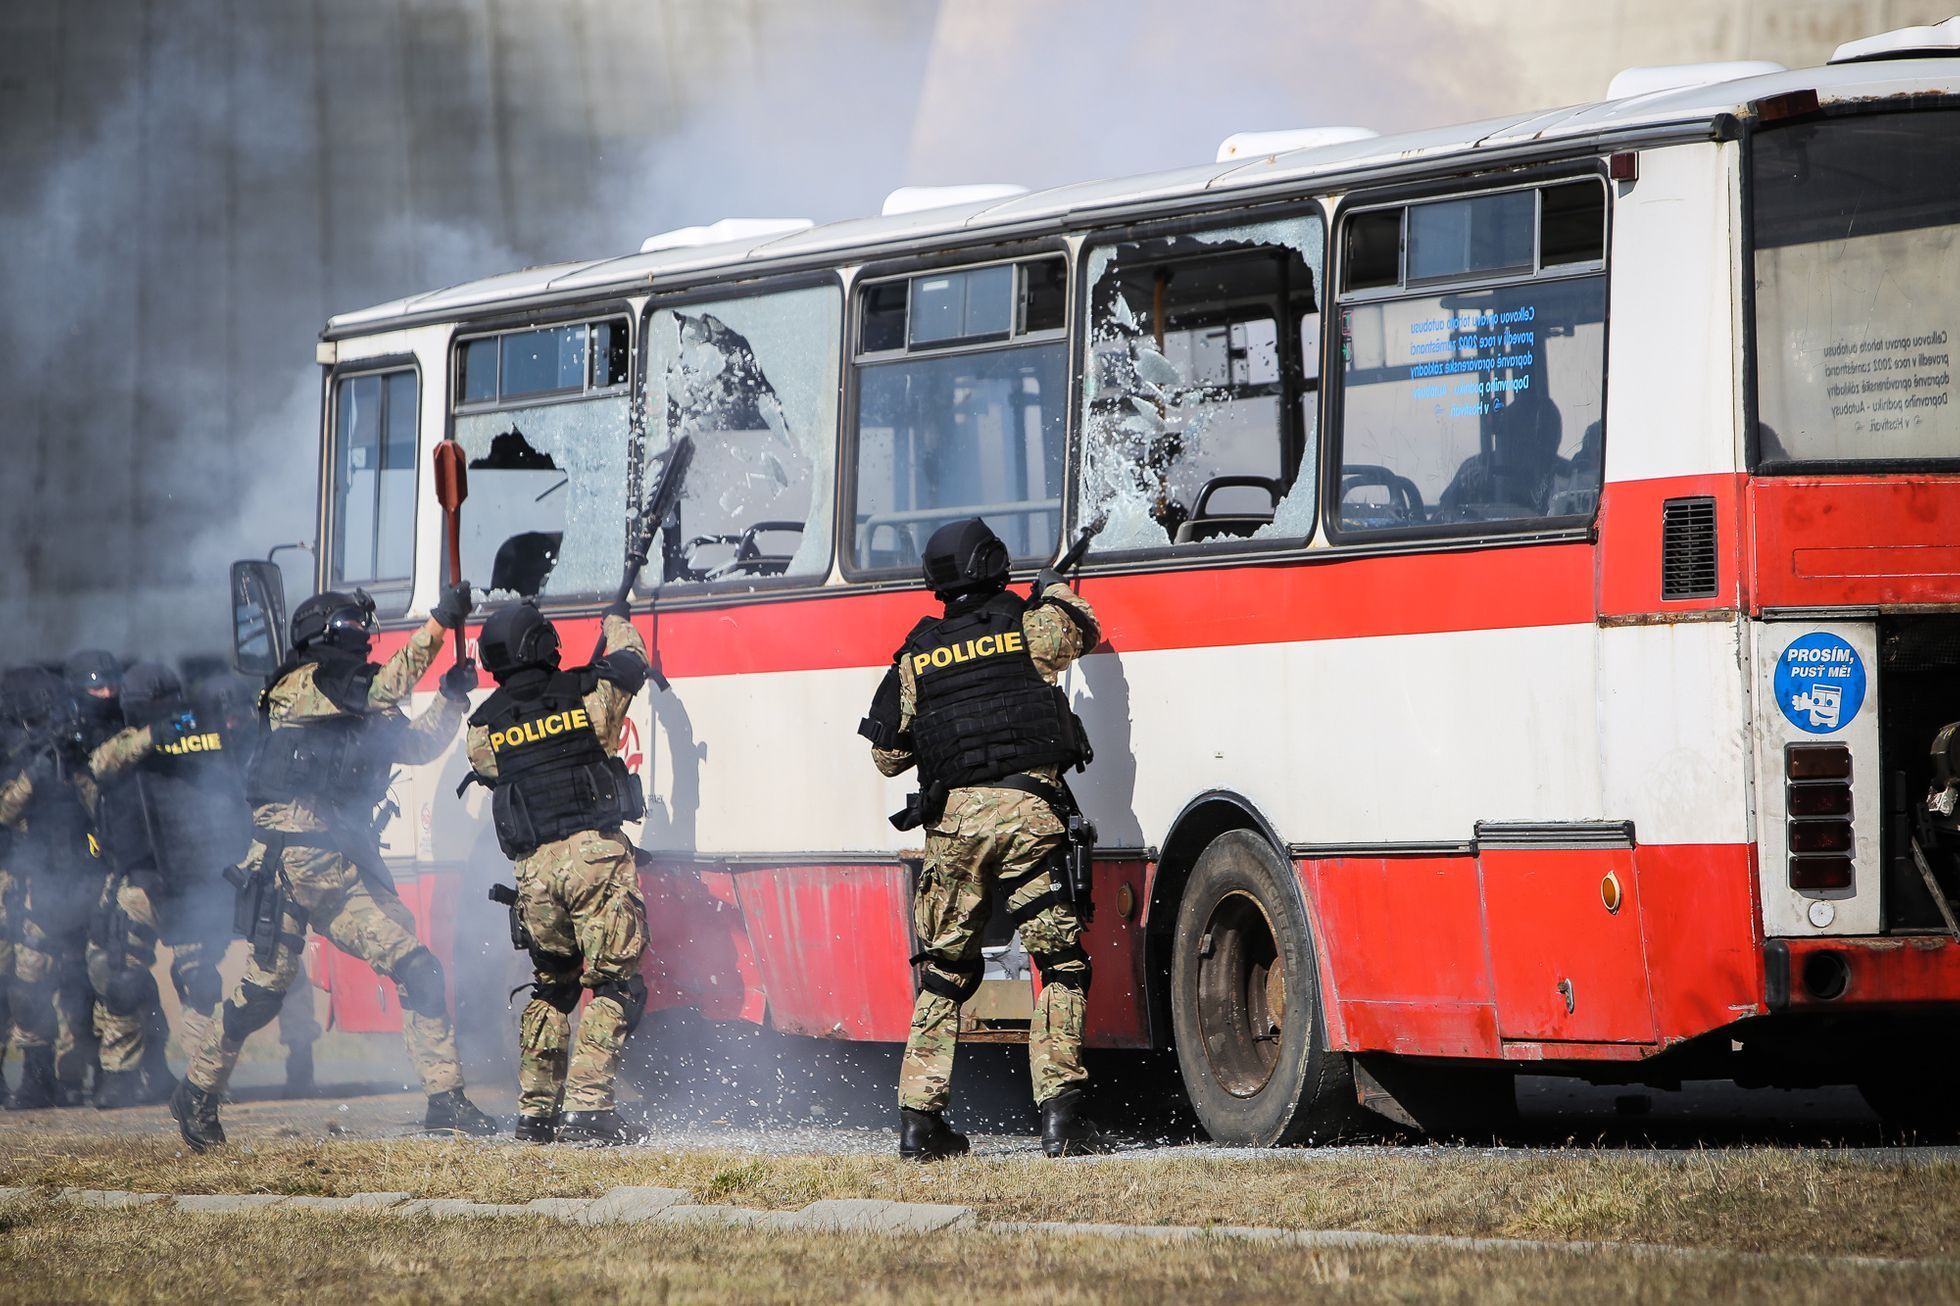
1192	383
546	512
754	382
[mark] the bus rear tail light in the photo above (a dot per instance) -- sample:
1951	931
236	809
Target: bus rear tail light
1817	797
1820	872
1820	836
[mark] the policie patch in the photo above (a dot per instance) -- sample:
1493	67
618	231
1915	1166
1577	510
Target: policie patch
543	728
981	646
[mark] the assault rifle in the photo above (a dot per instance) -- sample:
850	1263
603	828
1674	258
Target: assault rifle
1078	856
661	500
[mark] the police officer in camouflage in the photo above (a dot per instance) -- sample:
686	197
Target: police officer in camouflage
168	828
545	743
226	705
54	804
332	731
972	701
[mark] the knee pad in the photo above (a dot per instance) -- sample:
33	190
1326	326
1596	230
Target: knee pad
418	978
199	987
129	991
252	1010
970	973
631	995
1052	966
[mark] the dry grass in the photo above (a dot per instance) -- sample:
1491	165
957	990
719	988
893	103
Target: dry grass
1742	1200
65	1254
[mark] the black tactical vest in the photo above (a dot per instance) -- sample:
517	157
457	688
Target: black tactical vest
339	765
554	777
982	712
121	823
182	809
59	839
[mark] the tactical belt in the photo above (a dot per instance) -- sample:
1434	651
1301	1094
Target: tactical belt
1058	798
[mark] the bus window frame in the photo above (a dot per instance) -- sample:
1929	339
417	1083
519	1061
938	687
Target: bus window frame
1467	534
461	339
510	322
1752	453
971	258
713	292
393	595
1218	551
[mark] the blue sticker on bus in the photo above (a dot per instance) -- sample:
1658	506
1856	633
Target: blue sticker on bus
1820	683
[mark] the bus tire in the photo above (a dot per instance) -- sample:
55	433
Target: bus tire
1245	1003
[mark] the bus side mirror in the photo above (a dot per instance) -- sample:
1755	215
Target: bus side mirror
258	617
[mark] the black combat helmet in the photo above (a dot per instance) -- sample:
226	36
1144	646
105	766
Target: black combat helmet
342	621
965	557
94	676
40	701
516	638
151	692
227	703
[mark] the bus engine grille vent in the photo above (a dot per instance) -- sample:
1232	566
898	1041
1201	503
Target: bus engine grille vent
1688	549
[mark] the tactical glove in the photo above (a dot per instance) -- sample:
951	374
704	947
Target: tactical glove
618	608
624	667
453	608
459	681
1044	578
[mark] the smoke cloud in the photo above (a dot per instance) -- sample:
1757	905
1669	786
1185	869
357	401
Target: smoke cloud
198	186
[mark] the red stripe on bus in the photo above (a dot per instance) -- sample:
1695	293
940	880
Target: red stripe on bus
1413	594
1294	602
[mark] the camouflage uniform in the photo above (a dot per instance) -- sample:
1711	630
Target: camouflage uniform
325	888
987	834
51	996
579	899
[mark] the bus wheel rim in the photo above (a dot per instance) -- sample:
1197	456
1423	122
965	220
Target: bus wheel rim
1242	993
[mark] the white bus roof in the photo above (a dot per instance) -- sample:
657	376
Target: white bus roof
992	218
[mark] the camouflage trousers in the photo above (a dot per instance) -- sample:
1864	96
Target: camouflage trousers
48	995
136	914
579	900
365	918
988	836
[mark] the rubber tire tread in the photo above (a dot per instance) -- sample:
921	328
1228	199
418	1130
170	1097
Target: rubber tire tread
1310	1096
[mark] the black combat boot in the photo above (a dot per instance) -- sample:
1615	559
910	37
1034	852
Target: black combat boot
196	1112
299	1071
1065	1131
455	1113
604	1127
36	1090
537	1129
925	1136
115	1089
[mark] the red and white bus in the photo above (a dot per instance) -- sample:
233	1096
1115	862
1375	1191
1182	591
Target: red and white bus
1531	586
